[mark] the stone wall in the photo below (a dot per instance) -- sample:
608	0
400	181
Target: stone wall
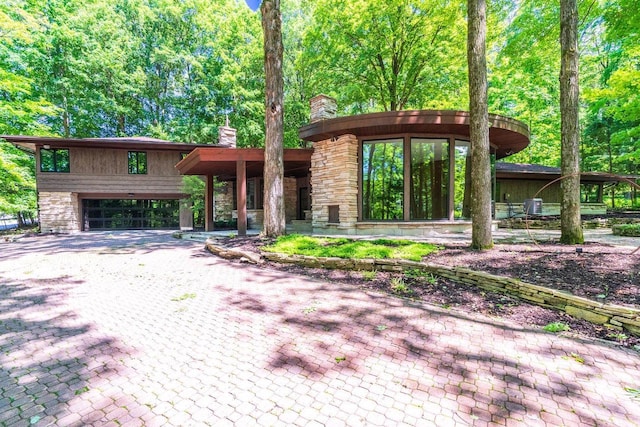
612	316
334	182
224	204
59	212
223	201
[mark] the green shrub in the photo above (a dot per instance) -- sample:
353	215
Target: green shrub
630	230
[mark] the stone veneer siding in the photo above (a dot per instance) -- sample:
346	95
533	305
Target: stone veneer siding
334	181
59	212
223	201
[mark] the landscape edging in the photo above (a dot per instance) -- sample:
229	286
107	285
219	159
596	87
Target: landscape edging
614	316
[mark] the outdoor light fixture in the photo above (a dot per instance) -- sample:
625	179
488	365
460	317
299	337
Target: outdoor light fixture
46	146
578	250
130	194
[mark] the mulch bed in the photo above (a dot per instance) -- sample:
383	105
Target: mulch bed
600	272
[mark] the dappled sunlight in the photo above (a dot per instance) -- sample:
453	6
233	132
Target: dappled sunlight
167	335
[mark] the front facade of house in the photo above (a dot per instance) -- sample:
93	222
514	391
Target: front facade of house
392	173
398	172
106	184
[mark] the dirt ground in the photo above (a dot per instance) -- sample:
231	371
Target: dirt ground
600	272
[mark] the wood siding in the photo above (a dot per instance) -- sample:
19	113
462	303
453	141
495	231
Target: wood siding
520	190
98	171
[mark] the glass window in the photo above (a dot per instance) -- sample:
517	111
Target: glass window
462	195
251	194
382	179
137	162
54	160
429	178
590	193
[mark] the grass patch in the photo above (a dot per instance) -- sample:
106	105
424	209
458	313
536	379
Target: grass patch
295	244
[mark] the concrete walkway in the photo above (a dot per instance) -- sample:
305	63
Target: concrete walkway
141	329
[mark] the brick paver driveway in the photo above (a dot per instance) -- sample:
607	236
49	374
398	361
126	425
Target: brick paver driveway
142	329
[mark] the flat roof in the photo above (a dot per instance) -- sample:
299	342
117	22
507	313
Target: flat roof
508	135
221	162
507	170
138	143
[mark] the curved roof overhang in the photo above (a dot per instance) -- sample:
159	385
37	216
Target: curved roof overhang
508	135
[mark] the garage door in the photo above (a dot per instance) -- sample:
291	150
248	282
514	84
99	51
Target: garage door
127	214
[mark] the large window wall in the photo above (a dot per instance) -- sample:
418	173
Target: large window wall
429	178
383	179
412	178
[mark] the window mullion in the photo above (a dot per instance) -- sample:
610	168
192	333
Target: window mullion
407	178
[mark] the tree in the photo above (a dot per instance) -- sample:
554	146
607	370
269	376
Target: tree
274	214
389	55
479	127
570	222
21	111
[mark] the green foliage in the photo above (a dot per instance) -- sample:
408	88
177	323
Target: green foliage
173	69
556	327
295	244
418	274
630	230
17	180
398	286
388	55
618	336
369	275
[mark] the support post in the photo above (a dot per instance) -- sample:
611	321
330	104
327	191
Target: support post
241	176
208	203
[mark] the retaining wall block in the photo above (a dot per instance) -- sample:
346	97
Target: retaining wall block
588	315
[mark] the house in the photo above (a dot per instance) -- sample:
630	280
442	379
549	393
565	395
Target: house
390	173
519	184
107	183
394	173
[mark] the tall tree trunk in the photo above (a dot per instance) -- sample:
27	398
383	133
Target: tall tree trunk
479	127
274	213
570	224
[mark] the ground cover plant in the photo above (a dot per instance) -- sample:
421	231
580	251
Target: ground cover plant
295	244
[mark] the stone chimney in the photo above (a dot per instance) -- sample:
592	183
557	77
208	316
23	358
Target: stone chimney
323	107
227	135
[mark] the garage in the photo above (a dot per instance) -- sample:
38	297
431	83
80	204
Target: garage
130	214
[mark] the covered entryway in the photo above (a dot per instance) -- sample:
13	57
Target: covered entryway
130	214
239	165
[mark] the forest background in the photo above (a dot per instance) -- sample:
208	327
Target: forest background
174	69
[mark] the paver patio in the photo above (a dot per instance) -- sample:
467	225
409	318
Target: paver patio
142	329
